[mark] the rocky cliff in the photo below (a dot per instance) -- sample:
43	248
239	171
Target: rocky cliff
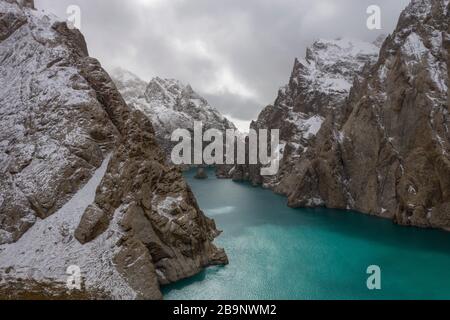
318	86
382	149
83	181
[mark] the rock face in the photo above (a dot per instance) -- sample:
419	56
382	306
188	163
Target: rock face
317	88
83	181
384	150
170	105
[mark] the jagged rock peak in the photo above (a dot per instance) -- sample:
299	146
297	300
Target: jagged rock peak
323	79
390	155
124	75
331	65
166	91
317	89
329	52
170	105
129	84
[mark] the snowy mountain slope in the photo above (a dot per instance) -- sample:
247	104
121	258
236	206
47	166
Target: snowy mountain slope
169	104
318	86
46	251
82	179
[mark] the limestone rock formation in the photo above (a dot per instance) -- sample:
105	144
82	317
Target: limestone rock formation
83	182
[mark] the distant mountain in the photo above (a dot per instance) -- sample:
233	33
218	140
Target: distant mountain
169	104
380	146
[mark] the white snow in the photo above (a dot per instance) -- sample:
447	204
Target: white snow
124	75
279	151
307	128
46	251
341	137
418	52
164	206
414	46
312	126
315	202
332	64
383	72
419	8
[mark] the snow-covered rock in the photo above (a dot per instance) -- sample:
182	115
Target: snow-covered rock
82	179
169	104
318	86
330	66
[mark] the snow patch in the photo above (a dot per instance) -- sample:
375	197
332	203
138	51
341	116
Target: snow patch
315	202
312	126
166	206
46	251
414	46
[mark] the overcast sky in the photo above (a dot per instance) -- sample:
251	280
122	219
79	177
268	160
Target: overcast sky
236	53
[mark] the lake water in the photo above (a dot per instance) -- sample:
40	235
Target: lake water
280	253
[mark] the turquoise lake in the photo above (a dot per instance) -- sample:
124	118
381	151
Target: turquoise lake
276	252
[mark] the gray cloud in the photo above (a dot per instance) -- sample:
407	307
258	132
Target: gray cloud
236	53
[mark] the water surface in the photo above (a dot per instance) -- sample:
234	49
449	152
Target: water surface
280	253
